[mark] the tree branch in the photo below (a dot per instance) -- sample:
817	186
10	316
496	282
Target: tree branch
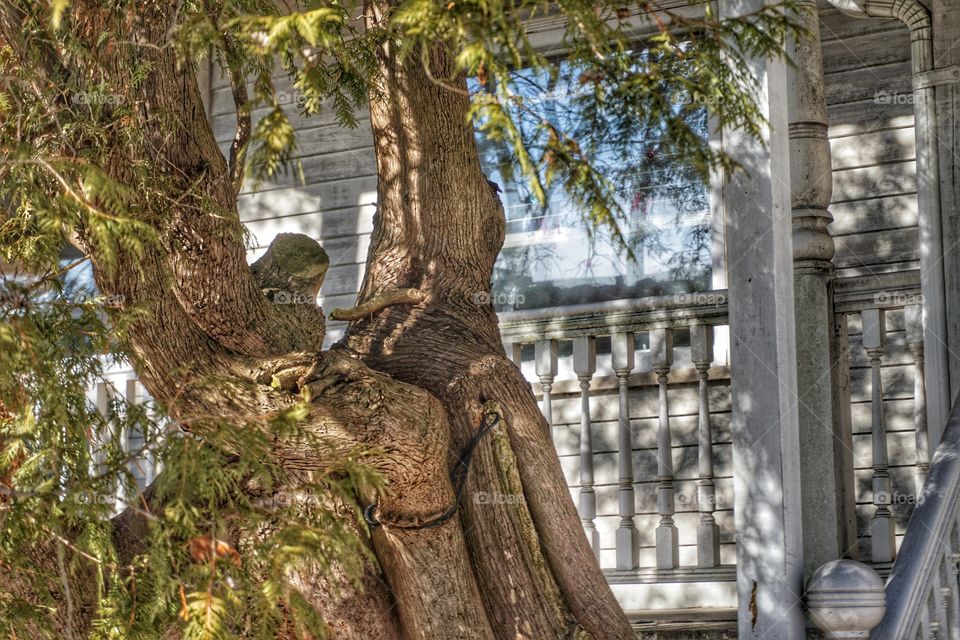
238	148
378	303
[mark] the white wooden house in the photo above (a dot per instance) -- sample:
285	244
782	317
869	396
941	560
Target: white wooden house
779	408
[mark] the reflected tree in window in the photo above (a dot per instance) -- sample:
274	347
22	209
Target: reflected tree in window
555	252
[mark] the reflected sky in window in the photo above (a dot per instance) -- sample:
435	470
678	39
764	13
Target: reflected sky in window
554	255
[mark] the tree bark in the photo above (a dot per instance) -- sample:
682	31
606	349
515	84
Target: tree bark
439	228
413	379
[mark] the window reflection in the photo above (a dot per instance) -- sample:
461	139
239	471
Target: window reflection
554	255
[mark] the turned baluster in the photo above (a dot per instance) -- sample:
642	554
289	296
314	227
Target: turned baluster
913	318
545	356
585	365
104	397
628	537
668	547
130	394
708	533
882	533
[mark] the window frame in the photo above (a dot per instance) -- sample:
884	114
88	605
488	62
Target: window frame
545	33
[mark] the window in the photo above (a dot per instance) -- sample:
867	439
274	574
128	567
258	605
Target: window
552	256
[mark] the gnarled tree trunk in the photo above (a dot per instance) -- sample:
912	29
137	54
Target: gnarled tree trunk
415	379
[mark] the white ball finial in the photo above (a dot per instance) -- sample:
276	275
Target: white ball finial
845	599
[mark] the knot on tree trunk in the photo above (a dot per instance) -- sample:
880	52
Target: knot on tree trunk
290	275
292	270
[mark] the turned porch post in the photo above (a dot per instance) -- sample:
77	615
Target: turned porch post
764	422
829	519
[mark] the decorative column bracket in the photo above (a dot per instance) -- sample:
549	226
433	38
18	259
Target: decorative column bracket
937	77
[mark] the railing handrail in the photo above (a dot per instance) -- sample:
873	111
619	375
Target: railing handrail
603	318
880	291
851	294
936	512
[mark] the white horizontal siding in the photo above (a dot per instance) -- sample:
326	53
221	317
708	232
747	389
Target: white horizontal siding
872	143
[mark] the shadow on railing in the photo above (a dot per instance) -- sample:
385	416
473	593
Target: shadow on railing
589	364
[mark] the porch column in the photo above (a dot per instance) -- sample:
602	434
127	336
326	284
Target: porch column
766	459
946	82
829	524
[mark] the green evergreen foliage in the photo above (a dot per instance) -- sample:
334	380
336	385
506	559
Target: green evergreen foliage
63	463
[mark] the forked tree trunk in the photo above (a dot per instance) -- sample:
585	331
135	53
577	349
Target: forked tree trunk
439	228
415	379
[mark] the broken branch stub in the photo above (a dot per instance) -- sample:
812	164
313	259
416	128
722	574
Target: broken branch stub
295	264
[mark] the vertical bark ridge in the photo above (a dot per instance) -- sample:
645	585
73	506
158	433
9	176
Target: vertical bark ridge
364	611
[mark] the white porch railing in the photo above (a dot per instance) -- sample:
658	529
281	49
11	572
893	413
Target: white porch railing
660	343
668	343
119	389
